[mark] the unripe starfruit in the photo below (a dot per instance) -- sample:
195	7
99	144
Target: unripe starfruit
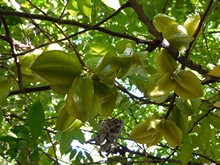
191	24
161	21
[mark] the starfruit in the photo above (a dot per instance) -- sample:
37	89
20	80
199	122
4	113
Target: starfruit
125	64
159	87
25	63
191	24
145	133
215	71
180	118
61	89
165	63
188	84
107	68
64	119
177	36
161	21
57	67
171	132
164	85
107	95
79	100
187	106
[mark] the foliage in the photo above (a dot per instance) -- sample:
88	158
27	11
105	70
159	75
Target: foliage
102	82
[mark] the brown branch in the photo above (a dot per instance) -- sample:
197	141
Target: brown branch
4	38
150	158
29	90
72	22
170	106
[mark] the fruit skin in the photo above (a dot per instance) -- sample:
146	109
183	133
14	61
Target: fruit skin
142	130
170	131
107	95
172	29
180	118
64	120
107	68
188	106
161	21
165	63
177	36
152	80
163	86
61	89
191	24
188	84
57	67
144	133
80	98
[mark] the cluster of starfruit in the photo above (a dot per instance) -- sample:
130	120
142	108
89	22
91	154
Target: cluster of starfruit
178	35
112	66
153	130
169	78
87	95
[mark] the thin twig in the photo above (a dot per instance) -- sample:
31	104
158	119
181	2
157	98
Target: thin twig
202	117
53	146
165	6
13	51
170	155
170	107
29	90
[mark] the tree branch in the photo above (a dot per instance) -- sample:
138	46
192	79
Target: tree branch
29	90
72	22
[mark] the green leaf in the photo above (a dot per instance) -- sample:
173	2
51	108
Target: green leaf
186	153
21	131
187	106
4	89
85	6
65	142
1	117
64	120
36	119
72	8
78	135
67	138
214	120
